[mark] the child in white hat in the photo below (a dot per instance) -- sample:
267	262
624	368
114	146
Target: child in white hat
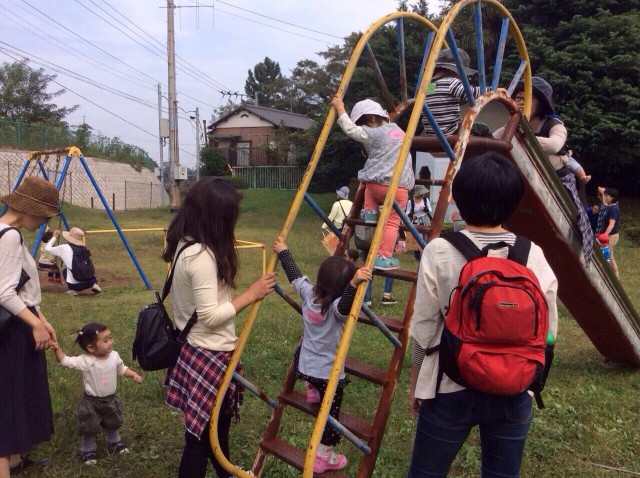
369	125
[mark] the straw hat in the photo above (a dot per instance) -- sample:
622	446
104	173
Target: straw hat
420	190
447	61
367	107
343	192
35	196
75	236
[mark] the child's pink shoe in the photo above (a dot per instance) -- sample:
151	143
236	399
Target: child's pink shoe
332	461
313	396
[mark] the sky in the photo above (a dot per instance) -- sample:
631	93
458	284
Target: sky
110	55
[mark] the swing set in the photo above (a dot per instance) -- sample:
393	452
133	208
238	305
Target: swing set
36	160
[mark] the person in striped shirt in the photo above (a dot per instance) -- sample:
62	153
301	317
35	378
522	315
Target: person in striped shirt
446	92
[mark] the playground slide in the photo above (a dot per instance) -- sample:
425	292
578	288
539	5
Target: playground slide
592	293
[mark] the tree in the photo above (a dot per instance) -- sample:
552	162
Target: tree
267	82
590	53
83	135
24	95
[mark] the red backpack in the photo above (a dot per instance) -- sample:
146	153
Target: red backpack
495	329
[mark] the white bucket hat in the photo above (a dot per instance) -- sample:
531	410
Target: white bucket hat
75	236
367	107
343	192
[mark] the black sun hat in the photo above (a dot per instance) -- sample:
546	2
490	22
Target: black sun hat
541	90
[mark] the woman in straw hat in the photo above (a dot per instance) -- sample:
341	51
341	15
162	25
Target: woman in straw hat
26	418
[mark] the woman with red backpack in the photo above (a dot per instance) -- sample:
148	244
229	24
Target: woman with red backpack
487	191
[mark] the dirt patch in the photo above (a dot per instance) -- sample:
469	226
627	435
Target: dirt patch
105	277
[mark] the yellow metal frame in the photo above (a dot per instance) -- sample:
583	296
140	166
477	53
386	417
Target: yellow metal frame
343	347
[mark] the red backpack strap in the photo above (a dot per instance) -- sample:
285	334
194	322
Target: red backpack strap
464	245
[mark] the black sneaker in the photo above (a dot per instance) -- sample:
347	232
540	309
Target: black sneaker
89	458
388	301
118	447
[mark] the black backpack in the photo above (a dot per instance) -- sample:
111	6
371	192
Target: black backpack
81	265
157	341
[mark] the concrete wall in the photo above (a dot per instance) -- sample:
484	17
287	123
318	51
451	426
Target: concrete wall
122	186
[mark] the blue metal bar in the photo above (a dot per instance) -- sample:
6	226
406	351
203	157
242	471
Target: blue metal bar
288	299
113	220
516	78
253	389
438	132
23	171
463	74
477	14
403	63
322	215
500	54
409	225
340	428
36	244
383	328
427	47
62	216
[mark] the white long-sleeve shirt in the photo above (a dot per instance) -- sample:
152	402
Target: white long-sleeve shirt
14	257
339	212
438	274
64	252
196	287
99	375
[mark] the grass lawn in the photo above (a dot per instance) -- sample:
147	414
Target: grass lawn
590	427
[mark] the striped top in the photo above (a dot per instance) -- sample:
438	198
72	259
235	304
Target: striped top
444	96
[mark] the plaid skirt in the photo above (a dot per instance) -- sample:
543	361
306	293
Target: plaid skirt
192	385
568	180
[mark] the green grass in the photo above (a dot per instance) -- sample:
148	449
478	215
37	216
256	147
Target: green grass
593	408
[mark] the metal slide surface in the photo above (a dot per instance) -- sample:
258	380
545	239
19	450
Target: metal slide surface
592	293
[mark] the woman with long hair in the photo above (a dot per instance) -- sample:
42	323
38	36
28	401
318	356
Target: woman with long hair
201	244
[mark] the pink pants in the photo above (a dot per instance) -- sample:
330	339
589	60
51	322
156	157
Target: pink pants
374	195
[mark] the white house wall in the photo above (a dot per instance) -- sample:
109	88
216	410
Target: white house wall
243	120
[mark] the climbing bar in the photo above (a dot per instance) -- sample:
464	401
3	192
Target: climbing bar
388	97
340	428
427	47
255	390
516	77
322	215
500	54
383	328
278	290
477	16
438	131
403	62
409	225
461	72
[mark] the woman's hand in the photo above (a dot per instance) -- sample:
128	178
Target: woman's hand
279	245
263	286
363	274
414	405
41	336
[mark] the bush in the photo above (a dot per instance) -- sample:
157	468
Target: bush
213	163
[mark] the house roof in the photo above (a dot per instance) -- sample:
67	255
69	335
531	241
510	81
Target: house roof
273	116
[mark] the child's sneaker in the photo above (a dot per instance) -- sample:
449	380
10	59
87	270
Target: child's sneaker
370	216
89	458
118	447
332	461
386	263
72	292
96	289
388	301
51	279
367	303
313	396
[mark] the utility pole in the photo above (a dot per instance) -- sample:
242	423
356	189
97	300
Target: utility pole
161	144
174	157
197	144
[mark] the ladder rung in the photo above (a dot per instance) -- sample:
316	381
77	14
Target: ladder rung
392	324
400	274
293	456
357	426
366	371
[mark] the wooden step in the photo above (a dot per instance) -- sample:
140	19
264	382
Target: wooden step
366	371
394	325
399	274
357	426
293	456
